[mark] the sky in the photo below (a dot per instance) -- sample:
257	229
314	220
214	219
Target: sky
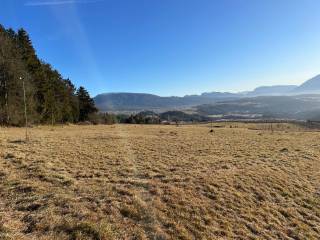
173	47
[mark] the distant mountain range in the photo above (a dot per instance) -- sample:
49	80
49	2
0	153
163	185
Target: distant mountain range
277	90
134	102
310	86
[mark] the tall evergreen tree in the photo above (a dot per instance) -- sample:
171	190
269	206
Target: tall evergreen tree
50	98
86	104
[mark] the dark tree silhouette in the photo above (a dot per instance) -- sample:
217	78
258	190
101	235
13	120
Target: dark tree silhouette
86	104
50	98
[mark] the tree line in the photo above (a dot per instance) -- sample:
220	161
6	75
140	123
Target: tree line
150	117
50	98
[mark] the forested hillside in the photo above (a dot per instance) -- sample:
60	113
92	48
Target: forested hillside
49	97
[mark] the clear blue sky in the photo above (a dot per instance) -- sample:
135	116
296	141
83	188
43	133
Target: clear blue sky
173	47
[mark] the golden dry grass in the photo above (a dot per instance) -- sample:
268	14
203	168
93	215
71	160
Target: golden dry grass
160	182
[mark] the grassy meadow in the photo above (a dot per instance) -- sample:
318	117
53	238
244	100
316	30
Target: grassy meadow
238	181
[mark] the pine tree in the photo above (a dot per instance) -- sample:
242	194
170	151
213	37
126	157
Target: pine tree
12	71
86	104
50	98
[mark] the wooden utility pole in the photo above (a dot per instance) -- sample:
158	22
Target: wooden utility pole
52	117
25	108
5	85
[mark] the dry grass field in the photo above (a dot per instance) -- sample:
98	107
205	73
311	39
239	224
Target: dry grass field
160	182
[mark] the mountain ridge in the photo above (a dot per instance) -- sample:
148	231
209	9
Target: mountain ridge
311	86
128	101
